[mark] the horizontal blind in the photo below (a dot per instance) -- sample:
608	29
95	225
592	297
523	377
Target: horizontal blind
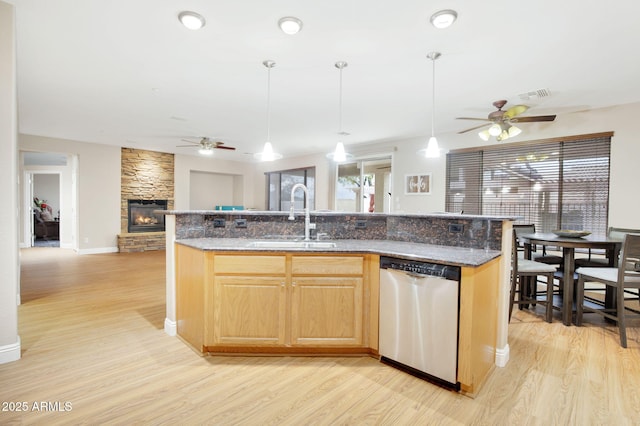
552	184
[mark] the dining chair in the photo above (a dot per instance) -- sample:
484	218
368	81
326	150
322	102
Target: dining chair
524	281
543	257
603	262
625	276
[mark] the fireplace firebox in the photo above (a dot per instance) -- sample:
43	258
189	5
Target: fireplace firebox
142	215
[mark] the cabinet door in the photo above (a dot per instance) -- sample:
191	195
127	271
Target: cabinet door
326	311
249	310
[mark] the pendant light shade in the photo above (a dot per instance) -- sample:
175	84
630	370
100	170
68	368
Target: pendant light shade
267	153
432	150
340	155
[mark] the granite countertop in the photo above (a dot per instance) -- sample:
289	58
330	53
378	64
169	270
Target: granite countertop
446	255
329	213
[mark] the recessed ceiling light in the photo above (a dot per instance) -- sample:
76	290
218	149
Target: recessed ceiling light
290	25
443	18
191	20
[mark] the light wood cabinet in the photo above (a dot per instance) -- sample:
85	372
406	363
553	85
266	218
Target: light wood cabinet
248	310
277	302
249	300
327	300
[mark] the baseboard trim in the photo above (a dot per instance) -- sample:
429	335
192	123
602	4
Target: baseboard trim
10	353
100	250
170	327
502	356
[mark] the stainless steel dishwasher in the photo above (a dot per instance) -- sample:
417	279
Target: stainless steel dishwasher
419	305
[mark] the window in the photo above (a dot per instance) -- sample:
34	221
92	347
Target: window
279	185
555	184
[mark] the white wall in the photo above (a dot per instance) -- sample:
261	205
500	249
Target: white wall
244	189
9	263
98	189
208	190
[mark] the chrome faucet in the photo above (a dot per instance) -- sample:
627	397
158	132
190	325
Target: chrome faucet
307	219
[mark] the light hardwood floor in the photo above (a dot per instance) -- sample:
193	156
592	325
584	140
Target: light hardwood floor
92	335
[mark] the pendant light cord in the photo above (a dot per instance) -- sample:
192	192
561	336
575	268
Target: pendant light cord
433	97
340	108
268	103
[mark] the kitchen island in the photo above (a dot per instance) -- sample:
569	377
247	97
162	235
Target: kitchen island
232	295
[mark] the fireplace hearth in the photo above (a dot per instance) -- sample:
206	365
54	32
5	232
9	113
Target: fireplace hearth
142	216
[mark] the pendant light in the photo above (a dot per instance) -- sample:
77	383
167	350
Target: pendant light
267	153
340	155
432	150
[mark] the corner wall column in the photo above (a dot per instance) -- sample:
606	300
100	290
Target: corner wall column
170	324
9	260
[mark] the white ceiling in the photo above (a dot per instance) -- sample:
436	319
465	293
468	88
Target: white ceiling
128	73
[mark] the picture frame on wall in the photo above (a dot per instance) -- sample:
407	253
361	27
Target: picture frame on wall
417	184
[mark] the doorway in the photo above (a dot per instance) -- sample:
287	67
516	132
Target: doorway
48	200
45	193
364	185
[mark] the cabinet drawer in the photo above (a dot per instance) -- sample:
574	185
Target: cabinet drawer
232	264
327	265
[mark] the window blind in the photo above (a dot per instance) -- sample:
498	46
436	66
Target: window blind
555	184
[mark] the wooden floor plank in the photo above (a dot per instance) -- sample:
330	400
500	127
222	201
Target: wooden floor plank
92	335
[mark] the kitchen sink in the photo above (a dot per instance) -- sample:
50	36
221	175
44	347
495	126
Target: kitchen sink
293	244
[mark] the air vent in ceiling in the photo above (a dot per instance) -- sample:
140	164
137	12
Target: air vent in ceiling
539	93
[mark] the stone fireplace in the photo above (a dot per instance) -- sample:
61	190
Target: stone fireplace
146	186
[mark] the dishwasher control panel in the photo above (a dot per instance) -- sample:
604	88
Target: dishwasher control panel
421	268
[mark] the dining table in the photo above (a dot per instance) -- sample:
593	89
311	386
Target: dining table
569	244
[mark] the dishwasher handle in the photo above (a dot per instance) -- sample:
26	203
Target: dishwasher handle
416	274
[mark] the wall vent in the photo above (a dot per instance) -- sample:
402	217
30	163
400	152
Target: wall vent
539	93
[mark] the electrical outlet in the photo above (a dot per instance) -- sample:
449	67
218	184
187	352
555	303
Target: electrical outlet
456	227
361	224
241	223
218	223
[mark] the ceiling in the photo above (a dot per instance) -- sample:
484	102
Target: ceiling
128	73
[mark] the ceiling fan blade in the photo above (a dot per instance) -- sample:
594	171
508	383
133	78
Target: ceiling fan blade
186	146
186	140
515	110
473	128
472	118
225	147
533	118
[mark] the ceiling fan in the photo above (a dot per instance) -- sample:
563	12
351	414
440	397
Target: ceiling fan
206	145
501	122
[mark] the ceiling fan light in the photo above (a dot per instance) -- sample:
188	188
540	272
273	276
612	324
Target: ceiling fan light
192	20
444	18
205	151
290	25
502	136
514	131
495	129
484	135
